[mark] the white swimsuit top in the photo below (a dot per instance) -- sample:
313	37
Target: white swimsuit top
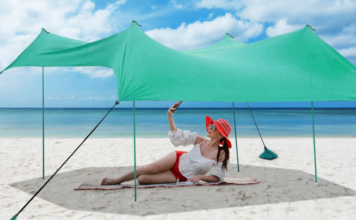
193	163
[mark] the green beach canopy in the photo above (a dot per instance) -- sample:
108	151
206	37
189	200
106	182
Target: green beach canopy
297	66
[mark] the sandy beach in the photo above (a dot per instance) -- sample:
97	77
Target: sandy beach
287	188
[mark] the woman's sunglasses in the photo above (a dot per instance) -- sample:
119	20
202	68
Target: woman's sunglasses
211	127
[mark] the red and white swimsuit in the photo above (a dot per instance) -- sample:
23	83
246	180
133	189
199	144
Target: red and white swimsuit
192	163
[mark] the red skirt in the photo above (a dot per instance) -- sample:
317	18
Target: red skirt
175	169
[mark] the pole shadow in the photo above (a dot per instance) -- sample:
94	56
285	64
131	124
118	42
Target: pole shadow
276	186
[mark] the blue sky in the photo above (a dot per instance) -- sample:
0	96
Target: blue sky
178	24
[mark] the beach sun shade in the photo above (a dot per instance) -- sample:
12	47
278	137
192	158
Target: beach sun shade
297	66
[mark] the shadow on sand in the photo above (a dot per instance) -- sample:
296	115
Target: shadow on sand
276	186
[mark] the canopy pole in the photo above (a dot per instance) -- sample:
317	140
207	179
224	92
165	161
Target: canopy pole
43	144
134	131
237	153
316	175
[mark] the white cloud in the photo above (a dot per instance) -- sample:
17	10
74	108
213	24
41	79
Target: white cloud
224	4
21	21
72	97
320	13
281	27
342	39
200	34
349	52
334	20
176	5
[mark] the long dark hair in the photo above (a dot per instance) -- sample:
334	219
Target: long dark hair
227	153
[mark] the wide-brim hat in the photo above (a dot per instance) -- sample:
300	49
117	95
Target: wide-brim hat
223	127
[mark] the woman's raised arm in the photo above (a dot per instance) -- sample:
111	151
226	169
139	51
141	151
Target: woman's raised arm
172	126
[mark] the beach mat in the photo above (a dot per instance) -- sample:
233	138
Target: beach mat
131	184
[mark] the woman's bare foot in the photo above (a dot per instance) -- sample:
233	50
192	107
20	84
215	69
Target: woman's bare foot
109	181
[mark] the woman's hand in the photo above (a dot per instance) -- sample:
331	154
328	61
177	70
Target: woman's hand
195	179
173	107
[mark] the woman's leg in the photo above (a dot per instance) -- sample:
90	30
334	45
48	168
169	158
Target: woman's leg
165	177
159	166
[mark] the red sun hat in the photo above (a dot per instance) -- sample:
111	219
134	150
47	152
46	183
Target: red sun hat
222	125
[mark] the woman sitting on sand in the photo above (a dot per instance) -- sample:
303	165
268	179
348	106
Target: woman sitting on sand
206	155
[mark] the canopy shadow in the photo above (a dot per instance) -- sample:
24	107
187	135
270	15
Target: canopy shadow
276	186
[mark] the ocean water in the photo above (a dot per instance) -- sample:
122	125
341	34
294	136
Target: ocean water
78	122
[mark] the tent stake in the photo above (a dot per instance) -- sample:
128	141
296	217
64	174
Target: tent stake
316	175
237	153
134	130
43	147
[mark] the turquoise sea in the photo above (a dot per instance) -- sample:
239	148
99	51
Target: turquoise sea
78	122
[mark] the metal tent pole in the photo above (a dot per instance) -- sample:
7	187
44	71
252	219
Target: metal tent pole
237	153
316	175
43	144
134	130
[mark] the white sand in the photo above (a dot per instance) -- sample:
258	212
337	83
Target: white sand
287	189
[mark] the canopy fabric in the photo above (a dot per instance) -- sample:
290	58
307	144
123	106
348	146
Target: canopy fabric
297	66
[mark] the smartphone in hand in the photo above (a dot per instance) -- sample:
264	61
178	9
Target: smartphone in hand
178	104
